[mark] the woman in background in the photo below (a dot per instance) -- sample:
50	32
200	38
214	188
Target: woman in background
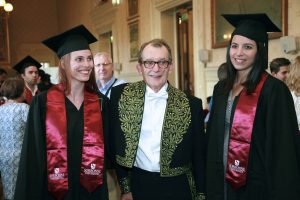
13	116
293	83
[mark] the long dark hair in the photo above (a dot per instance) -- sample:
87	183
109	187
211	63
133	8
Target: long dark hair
253	77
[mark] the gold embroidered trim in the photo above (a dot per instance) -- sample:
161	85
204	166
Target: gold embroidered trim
195	195
125	185
131	107
176	122
200	196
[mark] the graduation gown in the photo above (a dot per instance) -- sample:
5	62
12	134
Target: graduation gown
32	177
183	140
273	167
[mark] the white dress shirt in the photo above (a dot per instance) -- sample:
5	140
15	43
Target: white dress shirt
111	83
148	153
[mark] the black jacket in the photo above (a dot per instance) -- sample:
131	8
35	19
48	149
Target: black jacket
183	138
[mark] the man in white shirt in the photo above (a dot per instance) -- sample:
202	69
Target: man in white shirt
104	70
157	135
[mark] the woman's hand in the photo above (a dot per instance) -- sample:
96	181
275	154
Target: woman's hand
126	196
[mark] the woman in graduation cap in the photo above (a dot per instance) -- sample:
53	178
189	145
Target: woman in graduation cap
253	141
63	151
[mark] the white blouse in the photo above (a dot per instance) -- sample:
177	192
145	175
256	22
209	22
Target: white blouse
297	106
13	117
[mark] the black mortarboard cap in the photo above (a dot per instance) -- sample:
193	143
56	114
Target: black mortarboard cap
252	26
75	39
44	76
26	62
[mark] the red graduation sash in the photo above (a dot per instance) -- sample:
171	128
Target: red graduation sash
240	137
92	163
28	95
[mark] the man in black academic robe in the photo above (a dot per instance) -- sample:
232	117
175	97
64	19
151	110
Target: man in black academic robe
182	151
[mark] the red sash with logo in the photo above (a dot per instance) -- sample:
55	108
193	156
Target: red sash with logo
92	163
240	137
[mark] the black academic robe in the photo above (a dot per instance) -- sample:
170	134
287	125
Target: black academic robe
273	167
32	176
183	139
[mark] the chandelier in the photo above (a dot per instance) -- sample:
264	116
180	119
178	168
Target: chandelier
116	2
4	6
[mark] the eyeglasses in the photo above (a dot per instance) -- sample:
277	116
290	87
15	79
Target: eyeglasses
161	64
103	64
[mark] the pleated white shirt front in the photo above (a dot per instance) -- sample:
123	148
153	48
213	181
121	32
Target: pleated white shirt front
148	153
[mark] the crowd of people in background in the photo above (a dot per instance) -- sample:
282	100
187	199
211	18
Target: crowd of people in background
93	134
15	97
279	68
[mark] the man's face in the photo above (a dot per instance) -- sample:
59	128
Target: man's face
157	76
103	68
31	75
282	73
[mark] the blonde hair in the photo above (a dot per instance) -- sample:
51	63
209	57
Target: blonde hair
293	78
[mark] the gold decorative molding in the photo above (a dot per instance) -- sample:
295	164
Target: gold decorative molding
103	16
163	5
